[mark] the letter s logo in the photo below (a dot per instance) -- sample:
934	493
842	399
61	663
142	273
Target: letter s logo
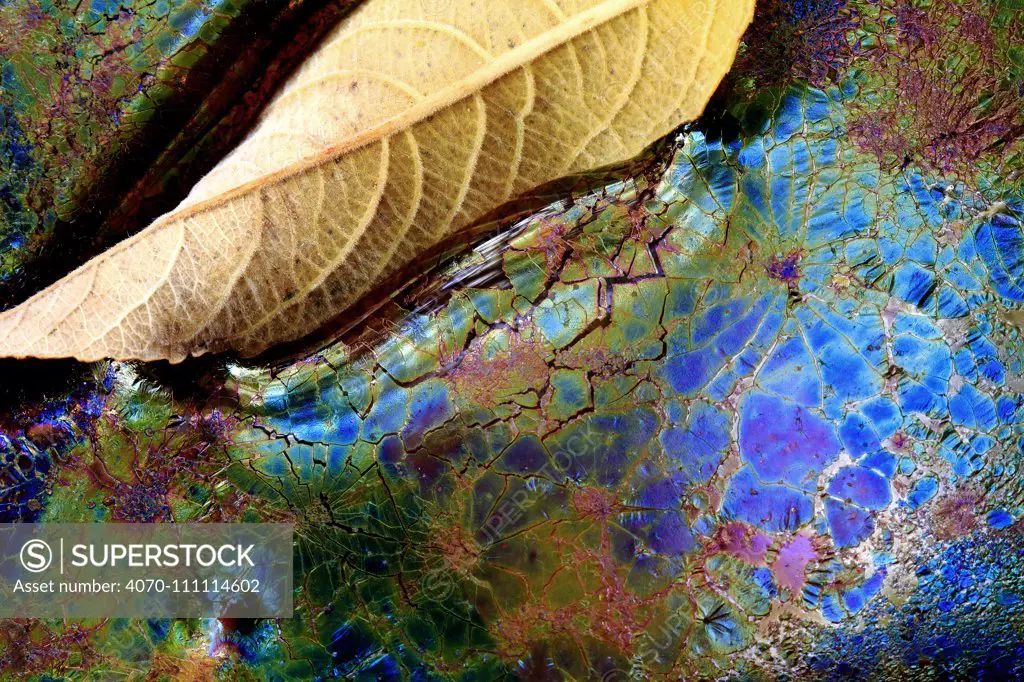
36	556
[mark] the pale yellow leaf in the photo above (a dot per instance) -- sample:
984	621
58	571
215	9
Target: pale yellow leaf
415	118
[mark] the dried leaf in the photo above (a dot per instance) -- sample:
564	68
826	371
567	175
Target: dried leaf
413	120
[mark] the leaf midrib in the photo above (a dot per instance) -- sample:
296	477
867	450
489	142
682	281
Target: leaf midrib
519	57
500	66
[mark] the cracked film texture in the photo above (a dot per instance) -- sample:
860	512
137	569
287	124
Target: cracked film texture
753	408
